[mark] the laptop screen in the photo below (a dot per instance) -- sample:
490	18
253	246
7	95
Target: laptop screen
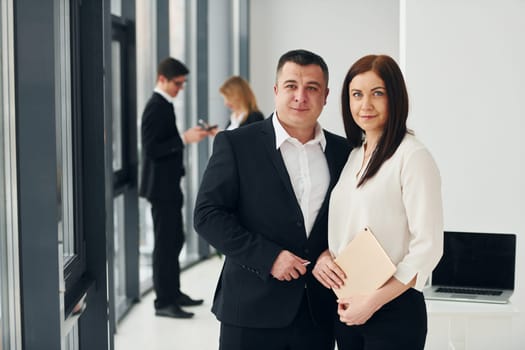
479	260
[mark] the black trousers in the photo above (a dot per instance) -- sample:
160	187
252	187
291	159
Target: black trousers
169	240
399	325
302	334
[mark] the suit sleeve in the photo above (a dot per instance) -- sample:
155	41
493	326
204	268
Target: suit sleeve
216	215
157	142
253	117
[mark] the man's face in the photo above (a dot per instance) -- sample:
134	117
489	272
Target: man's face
300	95
172	86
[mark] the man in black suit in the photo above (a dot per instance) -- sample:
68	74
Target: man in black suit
263	203
162	170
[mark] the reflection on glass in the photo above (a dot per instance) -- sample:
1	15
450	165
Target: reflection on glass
119	254
117	107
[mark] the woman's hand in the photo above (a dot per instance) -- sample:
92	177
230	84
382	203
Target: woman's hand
358	309
328	272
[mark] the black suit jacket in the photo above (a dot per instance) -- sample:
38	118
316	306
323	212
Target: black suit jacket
162	150
247	209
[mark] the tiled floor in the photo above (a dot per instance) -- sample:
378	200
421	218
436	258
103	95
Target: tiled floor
141	329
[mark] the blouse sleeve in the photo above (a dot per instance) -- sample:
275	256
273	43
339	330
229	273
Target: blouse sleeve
421	191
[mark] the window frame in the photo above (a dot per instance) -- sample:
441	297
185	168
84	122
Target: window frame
75	272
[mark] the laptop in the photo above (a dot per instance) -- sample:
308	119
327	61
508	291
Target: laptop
475	267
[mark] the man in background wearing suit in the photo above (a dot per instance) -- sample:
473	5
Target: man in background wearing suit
265	208
162	149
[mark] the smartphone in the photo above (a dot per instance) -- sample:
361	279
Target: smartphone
204	125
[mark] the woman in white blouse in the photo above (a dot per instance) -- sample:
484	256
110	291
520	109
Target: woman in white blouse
392	185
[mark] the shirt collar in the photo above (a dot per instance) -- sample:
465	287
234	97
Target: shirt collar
281	135
237	117
163	94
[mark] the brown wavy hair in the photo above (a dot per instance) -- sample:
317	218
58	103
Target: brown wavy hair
395	128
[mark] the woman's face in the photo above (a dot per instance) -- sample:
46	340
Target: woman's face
231	103
369	103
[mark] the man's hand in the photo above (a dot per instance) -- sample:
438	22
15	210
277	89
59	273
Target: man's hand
194	134
288	266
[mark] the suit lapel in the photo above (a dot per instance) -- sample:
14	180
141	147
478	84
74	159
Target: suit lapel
268	136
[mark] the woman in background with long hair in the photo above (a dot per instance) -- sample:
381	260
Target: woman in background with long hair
240	99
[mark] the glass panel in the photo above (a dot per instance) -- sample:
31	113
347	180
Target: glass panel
71	340
183	109
119	254
3	233
116	7
4	325
10	332
64	135
146	72
117	105
145	245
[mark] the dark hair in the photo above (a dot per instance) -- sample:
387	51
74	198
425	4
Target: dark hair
395	128
303	58
171	68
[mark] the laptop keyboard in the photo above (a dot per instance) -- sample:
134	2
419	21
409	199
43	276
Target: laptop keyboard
468	291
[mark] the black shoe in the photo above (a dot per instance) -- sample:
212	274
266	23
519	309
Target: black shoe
173	311
185	300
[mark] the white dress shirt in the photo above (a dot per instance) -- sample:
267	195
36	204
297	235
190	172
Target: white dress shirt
308	170
235	121
401	204
164	94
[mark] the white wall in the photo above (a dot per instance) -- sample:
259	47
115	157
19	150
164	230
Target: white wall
465	72
464	66
338	30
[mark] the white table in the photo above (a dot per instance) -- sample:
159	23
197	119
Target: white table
469	326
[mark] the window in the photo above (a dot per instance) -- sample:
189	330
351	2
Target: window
69	150
3	230
119	104
119	251
124	260
10	337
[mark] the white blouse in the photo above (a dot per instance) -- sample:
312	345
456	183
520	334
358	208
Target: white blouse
401	204
235	121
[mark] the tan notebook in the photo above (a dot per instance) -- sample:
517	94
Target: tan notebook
365	263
